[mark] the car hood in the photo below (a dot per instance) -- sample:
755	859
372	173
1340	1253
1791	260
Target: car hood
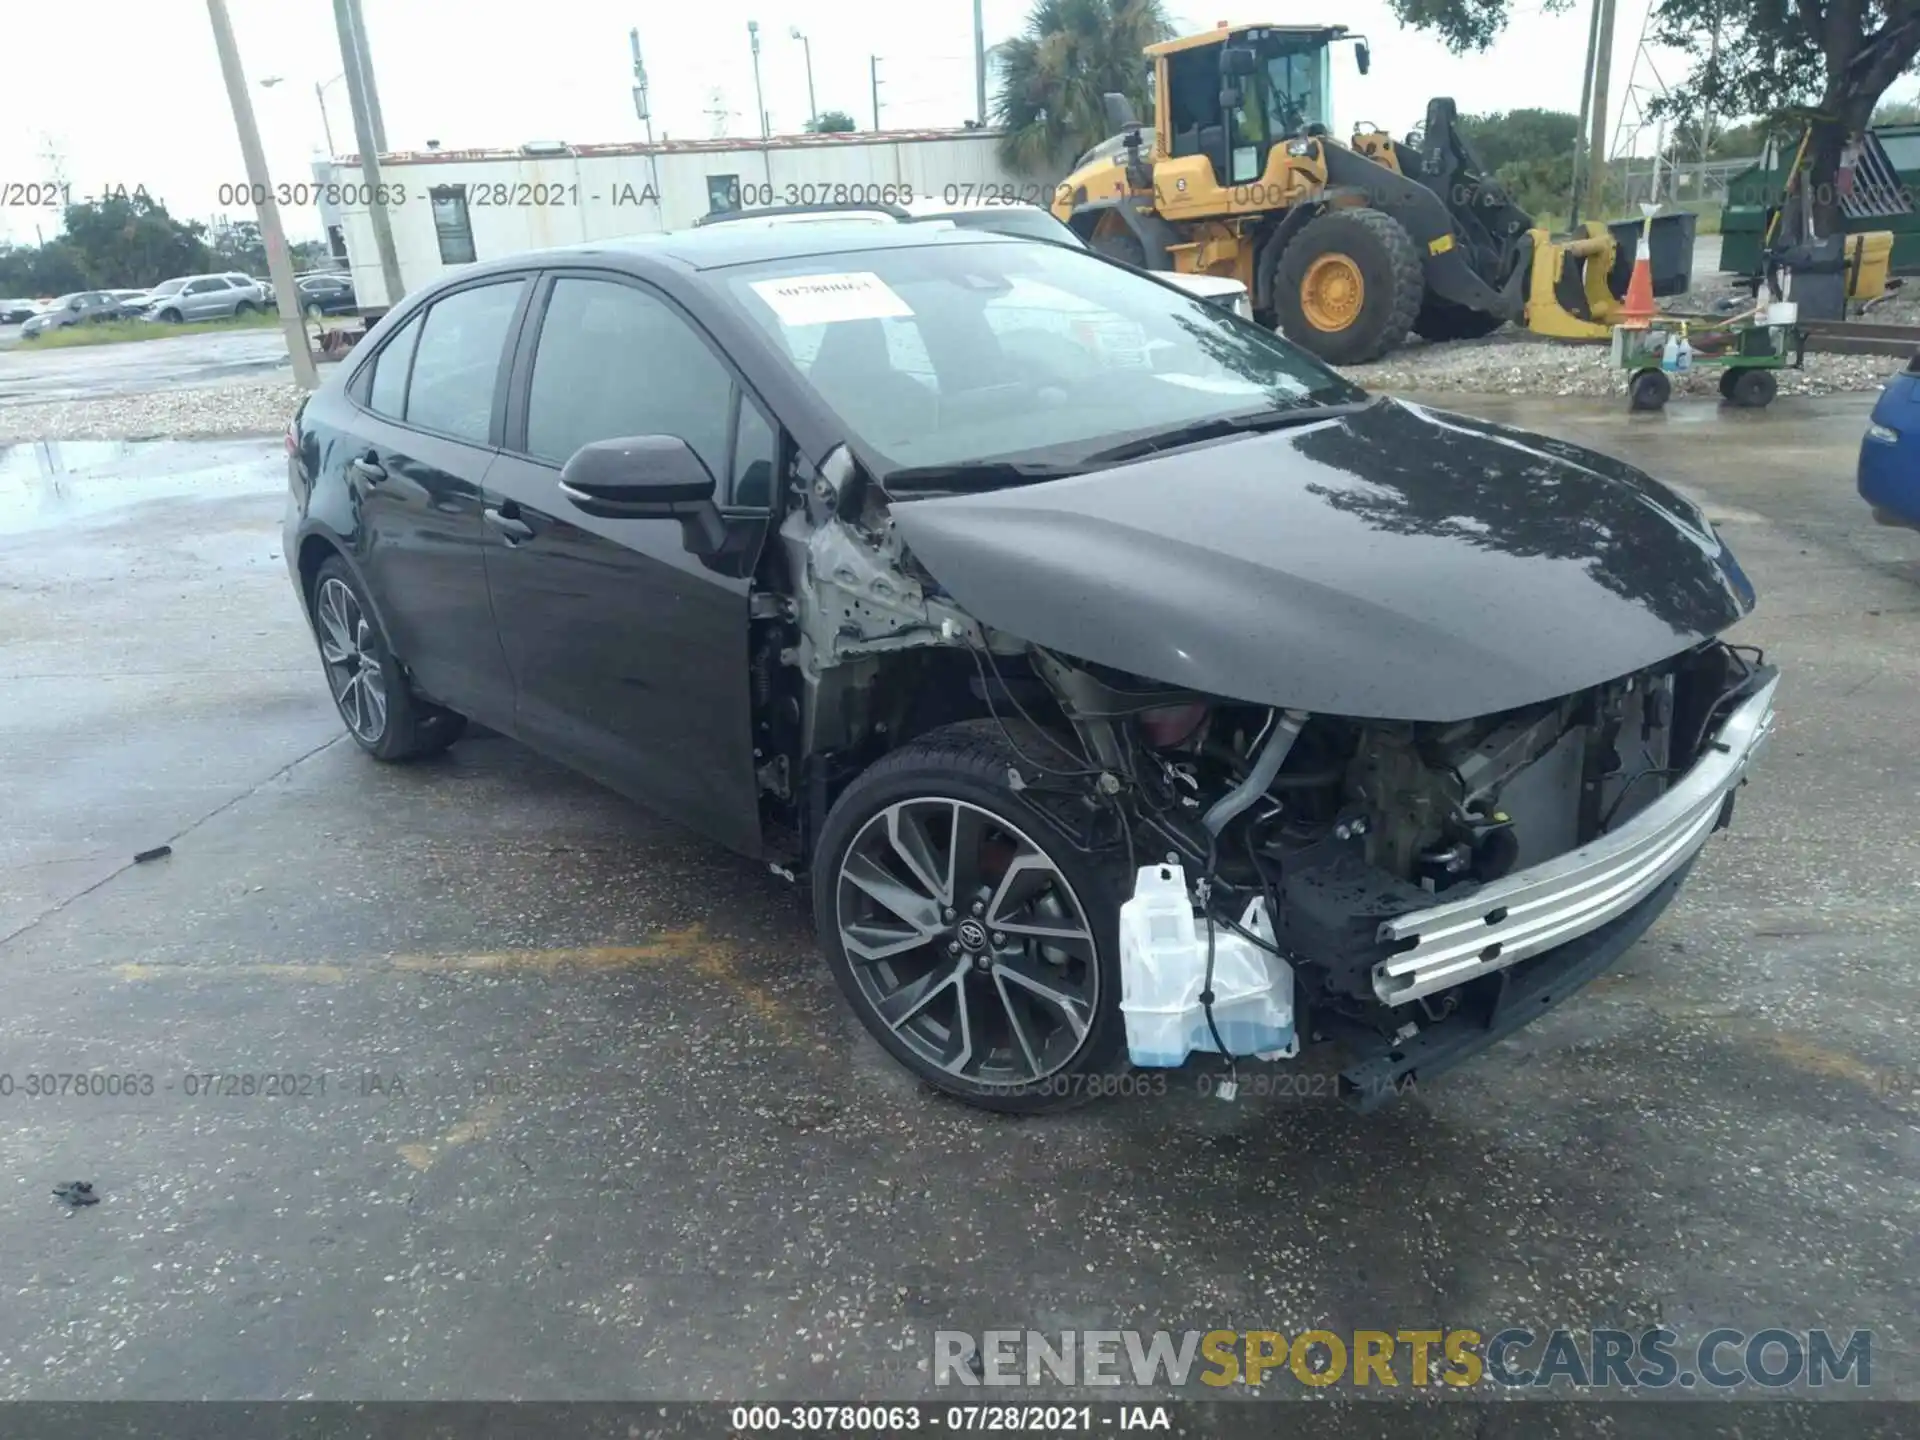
1395	562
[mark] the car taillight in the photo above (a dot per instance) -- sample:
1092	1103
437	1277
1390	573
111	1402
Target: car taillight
293	439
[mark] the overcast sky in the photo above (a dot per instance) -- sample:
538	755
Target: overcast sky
146	105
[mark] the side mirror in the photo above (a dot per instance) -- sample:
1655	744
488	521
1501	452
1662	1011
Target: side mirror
1119	110
1237	60
1229	97
1362	56
646	477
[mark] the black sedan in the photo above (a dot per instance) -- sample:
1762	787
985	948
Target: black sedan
325	295
1125	683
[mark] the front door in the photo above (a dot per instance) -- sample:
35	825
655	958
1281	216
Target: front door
629	654
418	465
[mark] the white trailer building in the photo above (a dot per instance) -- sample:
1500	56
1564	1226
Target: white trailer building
450	208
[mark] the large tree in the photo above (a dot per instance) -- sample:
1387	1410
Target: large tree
1053	75
1823	63
130	239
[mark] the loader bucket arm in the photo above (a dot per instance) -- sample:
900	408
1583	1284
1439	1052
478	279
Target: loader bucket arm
1455	269
1486	221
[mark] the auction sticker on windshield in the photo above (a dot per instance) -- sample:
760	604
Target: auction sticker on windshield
824	299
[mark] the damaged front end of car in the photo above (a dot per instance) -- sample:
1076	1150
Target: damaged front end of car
1420	886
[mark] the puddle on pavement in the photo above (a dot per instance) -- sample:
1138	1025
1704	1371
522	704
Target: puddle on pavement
49	483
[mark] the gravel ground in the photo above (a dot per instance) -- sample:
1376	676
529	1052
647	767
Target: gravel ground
231	409
1515	363
1508	363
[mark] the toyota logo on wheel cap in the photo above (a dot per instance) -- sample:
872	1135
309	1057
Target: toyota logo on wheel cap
973	935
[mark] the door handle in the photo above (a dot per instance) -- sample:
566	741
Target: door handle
368	469
511	529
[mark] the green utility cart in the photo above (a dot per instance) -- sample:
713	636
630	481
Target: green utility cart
1746	352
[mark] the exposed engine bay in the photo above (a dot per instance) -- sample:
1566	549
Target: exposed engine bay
1339	824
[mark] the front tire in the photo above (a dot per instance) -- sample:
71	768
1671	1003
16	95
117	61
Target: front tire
370	690
977	946
242	310
1348	286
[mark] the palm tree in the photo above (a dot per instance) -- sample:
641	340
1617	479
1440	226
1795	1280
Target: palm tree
1053	75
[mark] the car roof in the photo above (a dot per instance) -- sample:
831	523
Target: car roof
719	246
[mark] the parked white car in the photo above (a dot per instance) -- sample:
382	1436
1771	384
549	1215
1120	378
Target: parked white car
1008	217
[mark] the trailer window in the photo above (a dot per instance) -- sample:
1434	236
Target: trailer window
452	225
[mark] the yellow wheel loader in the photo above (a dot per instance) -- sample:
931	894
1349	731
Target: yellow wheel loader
1344	247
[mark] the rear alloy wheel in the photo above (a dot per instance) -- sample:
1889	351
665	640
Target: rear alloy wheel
370	690
974	944
1348	286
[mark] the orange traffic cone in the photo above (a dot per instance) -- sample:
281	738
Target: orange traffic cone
1638	311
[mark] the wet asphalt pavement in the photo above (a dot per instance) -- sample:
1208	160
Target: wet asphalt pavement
578	1113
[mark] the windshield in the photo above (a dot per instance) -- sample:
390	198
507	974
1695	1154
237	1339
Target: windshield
168	287
951	354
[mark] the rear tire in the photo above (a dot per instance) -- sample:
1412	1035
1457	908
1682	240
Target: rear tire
1753	389
370	689
1446	320
1348	286
949	971
1648	390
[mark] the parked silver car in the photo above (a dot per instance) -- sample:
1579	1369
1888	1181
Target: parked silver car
81	307
204	297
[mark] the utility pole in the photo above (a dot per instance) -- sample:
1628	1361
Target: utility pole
366	76
369	150
644	109
1713	80
1580	158
759	100
873	75
1597	146
979	64
279	262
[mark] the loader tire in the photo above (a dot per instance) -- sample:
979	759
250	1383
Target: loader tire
1348	286
1447	320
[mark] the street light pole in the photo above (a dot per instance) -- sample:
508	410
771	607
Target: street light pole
326	125
279	262
813	108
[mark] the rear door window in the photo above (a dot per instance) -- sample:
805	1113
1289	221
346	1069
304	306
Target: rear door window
387	393
456	363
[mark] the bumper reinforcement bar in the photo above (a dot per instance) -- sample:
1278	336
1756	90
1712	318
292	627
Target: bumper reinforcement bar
1548	905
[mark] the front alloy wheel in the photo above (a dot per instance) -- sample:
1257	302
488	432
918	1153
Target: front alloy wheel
973	942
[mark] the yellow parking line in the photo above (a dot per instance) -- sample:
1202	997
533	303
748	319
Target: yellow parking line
717	961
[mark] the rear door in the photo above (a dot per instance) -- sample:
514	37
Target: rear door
629	654
429	425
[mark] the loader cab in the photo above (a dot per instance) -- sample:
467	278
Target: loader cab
1232	94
